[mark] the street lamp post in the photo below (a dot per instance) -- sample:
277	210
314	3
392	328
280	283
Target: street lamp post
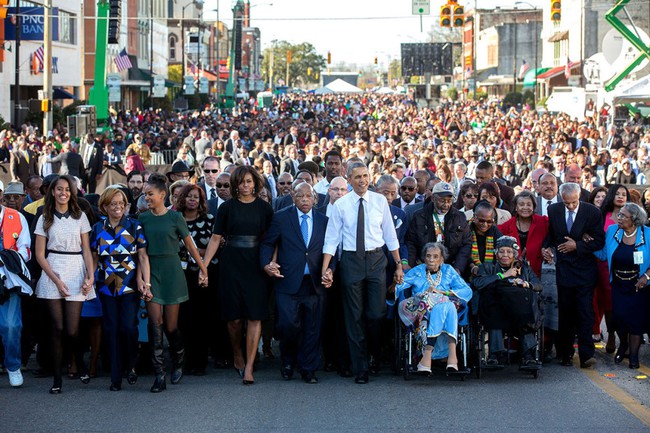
217	51
199	5
536	39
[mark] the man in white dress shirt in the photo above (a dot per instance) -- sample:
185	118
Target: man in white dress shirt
362	222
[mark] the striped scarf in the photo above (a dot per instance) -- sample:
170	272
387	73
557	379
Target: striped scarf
489	250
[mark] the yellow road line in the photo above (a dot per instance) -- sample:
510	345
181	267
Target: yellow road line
642	368
634	406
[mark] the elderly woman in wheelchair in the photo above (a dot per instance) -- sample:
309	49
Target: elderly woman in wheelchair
509	300
437	294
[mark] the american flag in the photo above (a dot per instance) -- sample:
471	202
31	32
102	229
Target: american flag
122	61
567	68
39	55
525	67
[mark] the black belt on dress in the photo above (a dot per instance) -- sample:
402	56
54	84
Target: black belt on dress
240	241
67	253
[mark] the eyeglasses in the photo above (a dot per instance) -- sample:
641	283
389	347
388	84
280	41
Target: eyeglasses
338	189
222	185
214	170
471	195
407	188
622	215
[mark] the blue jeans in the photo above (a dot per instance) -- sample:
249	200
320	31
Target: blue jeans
120	321
11	325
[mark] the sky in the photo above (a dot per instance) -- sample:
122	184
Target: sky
354	31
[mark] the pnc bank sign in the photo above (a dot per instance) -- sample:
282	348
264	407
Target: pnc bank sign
31	22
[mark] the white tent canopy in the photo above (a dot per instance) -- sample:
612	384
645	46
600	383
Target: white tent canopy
637	91
340	86
385	91
322	90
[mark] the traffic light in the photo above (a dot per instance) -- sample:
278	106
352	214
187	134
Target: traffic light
459	16
375	60
115	15
46	105
228	64
329	58
3	15
556	10
445	16
308	71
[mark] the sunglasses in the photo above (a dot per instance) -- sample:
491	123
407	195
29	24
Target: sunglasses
222	185
484	221
214	170
284	183
471	195
409	188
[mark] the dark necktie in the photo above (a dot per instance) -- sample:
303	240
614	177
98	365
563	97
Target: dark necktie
361	224
569	222
213	194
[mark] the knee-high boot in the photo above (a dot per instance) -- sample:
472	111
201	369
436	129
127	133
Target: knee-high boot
158	357
177	351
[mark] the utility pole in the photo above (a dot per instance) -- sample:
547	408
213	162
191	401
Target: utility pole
17	75
151	54
47	65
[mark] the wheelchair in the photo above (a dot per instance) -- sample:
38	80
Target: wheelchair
406	357
480	340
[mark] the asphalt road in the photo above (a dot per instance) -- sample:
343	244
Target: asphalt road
563	399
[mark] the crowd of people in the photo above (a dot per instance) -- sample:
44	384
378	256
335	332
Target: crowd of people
300	223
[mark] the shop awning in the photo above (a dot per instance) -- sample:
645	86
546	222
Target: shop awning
60	93
531	76
554	72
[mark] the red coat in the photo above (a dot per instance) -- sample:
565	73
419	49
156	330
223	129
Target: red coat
536	236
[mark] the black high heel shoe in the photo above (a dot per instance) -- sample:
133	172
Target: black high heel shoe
248	382
240	372
634	362
160	384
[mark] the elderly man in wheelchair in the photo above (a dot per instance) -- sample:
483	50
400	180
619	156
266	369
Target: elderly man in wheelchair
437	294
509	301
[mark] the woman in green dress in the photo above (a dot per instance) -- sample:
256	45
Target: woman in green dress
168	287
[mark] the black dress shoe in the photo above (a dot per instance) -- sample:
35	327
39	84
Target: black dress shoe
345	372
310	378
132	377
374	366
55	390
115	387
362	378
286	372
589	363
566	362
85	379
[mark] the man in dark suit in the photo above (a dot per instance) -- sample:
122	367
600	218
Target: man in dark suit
575	232
573	173
95	163
548	195
23	162
291	137
613	140
290	163
407	190
71	163
485	173
269	155
299	233
302	176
